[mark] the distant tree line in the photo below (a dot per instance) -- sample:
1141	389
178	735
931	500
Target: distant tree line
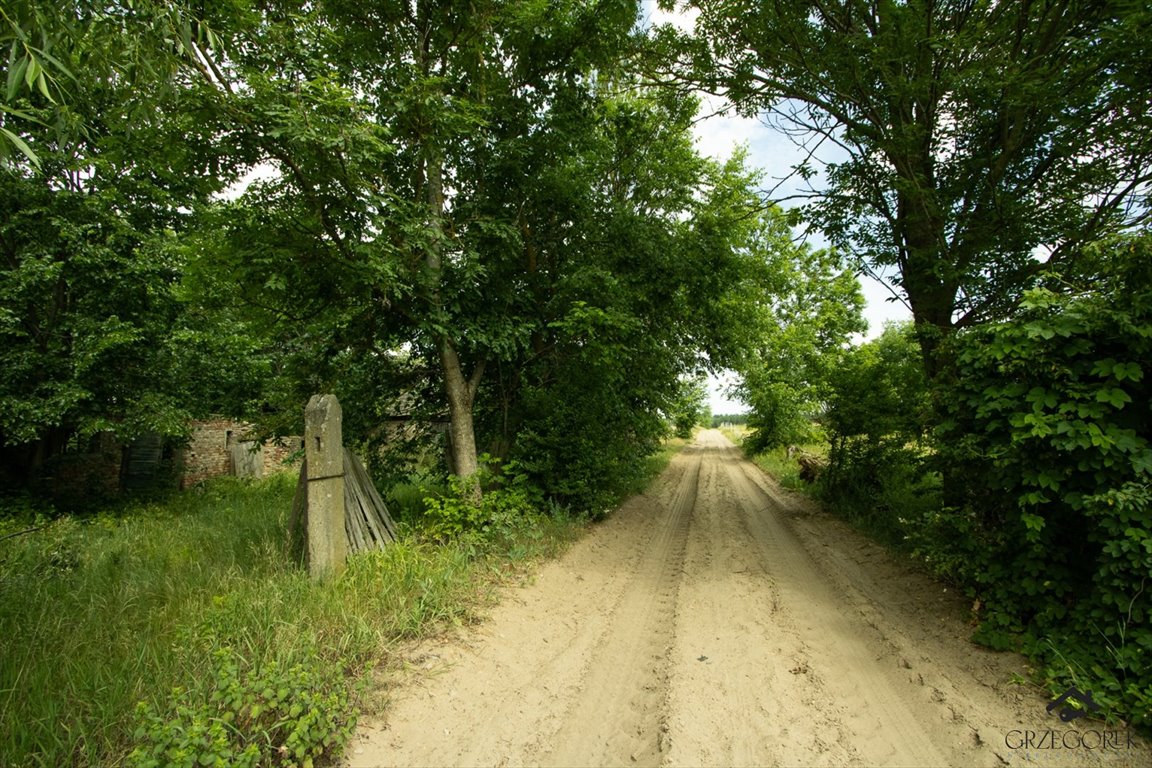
729	418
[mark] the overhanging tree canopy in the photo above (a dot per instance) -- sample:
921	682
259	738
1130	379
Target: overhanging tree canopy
985	141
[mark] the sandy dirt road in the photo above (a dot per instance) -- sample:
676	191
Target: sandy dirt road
717	620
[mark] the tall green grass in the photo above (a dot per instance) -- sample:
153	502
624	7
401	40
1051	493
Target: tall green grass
736	433
784	468
164	601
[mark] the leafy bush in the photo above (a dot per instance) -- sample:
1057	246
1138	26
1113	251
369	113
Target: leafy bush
509	504
876	410
781	415
584	440
273	716
1047	447
879	485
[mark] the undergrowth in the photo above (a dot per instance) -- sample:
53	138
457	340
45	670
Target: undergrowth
785	468
180	633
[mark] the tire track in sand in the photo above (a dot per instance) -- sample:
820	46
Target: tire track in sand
707	623
882	728
618	717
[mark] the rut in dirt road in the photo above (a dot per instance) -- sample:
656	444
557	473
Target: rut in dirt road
619	714
713	620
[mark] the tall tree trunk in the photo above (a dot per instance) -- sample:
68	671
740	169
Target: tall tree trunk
931	294
460	390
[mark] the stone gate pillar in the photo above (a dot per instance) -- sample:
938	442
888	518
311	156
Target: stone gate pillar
324	454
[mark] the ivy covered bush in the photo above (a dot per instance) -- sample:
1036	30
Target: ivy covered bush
494	504
1047	453
292	716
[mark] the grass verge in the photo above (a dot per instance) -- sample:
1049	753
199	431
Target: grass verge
179	632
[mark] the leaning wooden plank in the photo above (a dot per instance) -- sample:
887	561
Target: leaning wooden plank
376	510
372	517
362	521
351	504
352	525
377	503
354	514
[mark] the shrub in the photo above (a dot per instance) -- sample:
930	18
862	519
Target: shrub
271	716
1048	449
877	407
467	509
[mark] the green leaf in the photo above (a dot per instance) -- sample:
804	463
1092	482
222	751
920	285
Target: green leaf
42	85
1032	522
32	71
1114	396
21	145
1128	371
16	69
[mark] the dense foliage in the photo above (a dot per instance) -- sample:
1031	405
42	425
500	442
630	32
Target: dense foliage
97	332
469	215
1033	493
876	419
803	328
969	134
479	217
532	229
1049	437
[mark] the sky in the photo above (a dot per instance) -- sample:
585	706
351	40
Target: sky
718	135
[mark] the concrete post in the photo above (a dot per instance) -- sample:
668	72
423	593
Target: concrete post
324	452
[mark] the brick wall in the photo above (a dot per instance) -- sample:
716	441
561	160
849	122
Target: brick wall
210	449
105	466
276	455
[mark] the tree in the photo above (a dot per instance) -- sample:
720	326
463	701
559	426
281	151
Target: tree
803	326
648	272
690	409
977	134
485	188
1048	430
114	153
385	122
877	416
878	392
